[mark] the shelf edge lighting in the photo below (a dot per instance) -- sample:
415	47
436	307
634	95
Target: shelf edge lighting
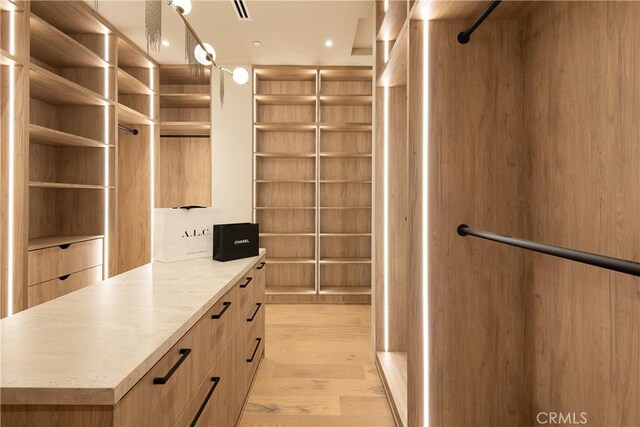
425	222
385	222
105	267
11	165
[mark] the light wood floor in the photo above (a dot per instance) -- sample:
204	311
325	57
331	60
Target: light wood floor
318	370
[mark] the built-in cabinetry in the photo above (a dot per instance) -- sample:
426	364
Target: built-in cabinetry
184	152
84	113
313	181
527	130
177	371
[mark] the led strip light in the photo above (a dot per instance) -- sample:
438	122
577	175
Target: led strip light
106	158
385	231
11	166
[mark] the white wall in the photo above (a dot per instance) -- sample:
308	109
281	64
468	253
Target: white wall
232	127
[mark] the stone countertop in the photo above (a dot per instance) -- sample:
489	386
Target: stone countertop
92	346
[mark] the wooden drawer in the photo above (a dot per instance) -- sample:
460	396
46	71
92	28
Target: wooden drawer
253	352
259	272
214	402
246	286
45	291
51	263
219	324
163	393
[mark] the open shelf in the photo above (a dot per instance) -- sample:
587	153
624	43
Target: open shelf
345	155
129	116
185	100
284	208
344	181
285	99
282	181
345	290
52	46
345	234
291	260
285	127
183	75
285	73
394	72
345	261
346	74
53	89
47	136
287	234
38	184
346	99
392	21
46	242
185	128
129	55
286	155
344	127
289	290
129	85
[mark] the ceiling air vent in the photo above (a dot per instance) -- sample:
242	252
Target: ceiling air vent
241	10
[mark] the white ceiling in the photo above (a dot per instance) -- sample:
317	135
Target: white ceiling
291	32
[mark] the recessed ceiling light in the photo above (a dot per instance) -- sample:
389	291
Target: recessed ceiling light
166	43
257	43
328	43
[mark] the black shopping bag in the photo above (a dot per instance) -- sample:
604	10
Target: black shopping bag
235	241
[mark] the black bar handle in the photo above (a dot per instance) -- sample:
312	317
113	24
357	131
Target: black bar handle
255	350
245	284
185	352
261	266
189	207
226	305
465	36
63	278
215	381
255	313
610	263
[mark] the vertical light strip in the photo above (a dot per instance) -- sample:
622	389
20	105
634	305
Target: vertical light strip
385	232
425	222
106	158
386	5
386	51
152	154
11	165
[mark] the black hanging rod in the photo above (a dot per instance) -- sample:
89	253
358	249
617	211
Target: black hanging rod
128	129
465	36
184	136
610	263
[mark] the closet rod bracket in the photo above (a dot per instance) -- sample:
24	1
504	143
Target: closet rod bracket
465	36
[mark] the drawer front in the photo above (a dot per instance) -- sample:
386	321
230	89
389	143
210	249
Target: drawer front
51	263
254	349
219	324
214	403
246	286
43	292
163	393
260	274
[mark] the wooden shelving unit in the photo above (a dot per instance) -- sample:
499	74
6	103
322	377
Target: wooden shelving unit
185	134
312	151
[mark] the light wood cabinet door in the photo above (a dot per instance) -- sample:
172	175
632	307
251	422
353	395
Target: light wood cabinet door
162	394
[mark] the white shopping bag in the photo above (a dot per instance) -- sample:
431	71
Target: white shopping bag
181	234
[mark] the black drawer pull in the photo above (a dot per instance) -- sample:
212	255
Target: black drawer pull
163	380
65	246
255	350
226	304
215	381
249	279
261	266
258	305
63	278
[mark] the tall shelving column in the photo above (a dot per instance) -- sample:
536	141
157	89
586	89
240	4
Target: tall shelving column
71	150
345	181
284	167
185	135
14	154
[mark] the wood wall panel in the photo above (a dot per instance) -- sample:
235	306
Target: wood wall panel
477	287
183	172
134	200
582	61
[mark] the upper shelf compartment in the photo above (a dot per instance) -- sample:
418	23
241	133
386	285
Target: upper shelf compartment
129	56
392	19
71	17
181	75
129	85
53	89
55	48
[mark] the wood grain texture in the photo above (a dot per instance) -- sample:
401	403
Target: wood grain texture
46	291
393	372
582	103
476	288
318	370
